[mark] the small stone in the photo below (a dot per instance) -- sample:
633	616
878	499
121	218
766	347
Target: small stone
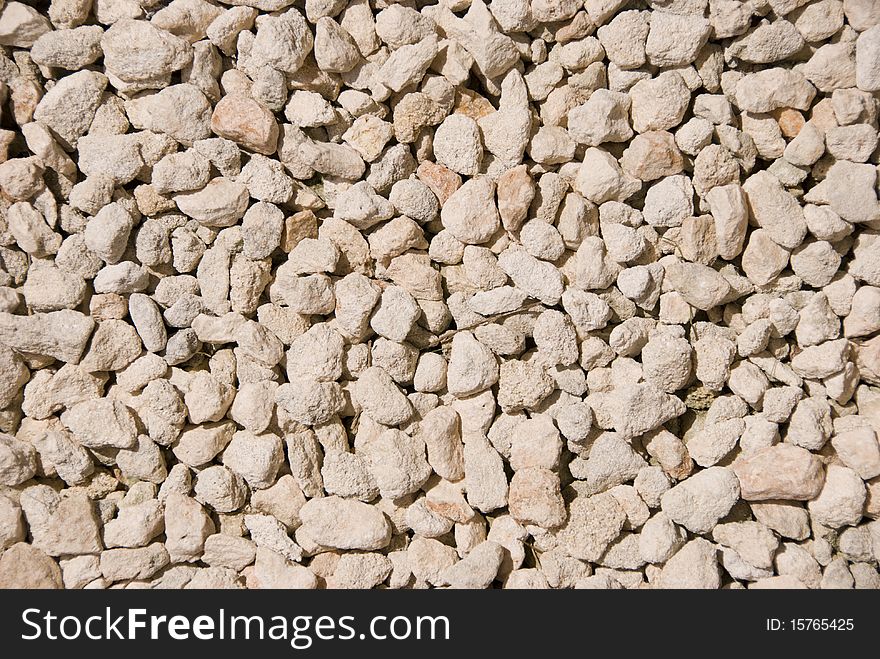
344	524
694	566
246	122
779	472
700	501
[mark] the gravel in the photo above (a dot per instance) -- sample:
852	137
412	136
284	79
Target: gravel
518	293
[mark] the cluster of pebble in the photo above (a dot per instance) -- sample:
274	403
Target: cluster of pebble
408	294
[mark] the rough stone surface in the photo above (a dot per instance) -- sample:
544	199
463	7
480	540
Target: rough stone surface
439	294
